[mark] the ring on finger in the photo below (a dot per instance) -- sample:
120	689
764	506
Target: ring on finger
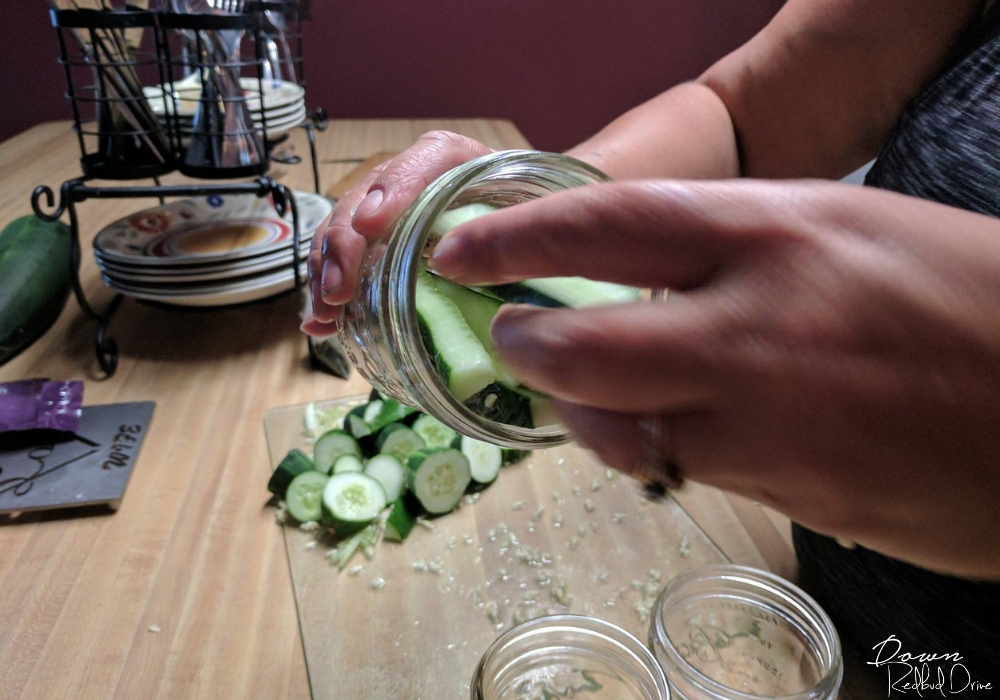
657	465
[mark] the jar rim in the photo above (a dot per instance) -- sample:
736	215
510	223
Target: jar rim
790	597
620	636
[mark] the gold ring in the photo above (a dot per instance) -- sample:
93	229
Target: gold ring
656	465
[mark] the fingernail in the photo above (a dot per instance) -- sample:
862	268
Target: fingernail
368	206
507	329
331	279
439	258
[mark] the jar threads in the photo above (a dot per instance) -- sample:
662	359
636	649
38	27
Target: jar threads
568	656
729	632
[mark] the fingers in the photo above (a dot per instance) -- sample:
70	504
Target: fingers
643	233
406	176
335	256
638	358
368	211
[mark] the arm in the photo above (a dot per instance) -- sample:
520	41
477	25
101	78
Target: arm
814	94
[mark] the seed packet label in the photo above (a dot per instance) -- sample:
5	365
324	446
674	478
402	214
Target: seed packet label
47	469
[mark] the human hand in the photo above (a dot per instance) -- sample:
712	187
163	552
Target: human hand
367	211
830	351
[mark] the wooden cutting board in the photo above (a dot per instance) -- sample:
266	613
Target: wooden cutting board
556	533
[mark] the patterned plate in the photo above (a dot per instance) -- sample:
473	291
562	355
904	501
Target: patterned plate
223	294
207	230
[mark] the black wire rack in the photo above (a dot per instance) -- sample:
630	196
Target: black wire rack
124	75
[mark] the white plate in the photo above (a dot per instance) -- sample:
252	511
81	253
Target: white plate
275	127
184	275
278	94
207	230
214	295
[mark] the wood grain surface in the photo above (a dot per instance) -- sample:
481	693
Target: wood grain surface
194	551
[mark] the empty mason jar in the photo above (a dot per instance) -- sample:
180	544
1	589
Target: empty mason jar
728	632
379	328
566	656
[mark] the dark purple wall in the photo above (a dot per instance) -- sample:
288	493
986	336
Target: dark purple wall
558	68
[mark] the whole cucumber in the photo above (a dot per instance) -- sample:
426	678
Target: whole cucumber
34	280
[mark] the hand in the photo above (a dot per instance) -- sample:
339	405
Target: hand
830	351
367	212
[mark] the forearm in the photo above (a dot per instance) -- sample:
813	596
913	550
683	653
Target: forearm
685	132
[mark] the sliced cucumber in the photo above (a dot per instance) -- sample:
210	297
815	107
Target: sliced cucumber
438	477
331	446
351	501
294	463
402	519
511	456
390	411
434	432
388	471
458	216
501	405
575	292
348	463
485	459
464	364
304	498
372	409
356	425
478	311
399	441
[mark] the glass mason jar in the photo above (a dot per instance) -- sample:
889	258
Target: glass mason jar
727	632
566	656
378	326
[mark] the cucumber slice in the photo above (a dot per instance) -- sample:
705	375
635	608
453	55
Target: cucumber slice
464	364
485	459
304	498
356	425
348	463
434	432
401	521
388	471
438	477
351	501
511	456
458	216
372	409
478	311
294	463
390	411
331	446
575	292
502	405
399	441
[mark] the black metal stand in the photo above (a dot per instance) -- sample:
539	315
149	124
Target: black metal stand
75	191
121	137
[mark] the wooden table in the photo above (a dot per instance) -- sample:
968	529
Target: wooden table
193	550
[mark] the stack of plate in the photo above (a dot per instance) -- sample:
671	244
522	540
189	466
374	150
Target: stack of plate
284	104
208	251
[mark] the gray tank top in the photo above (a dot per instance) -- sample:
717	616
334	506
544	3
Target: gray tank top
945	148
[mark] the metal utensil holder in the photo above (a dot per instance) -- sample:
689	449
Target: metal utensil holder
109	87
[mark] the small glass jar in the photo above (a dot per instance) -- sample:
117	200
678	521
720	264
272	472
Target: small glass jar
378	327
565	656
727	632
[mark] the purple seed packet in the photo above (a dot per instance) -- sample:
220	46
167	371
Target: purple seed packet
35	404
